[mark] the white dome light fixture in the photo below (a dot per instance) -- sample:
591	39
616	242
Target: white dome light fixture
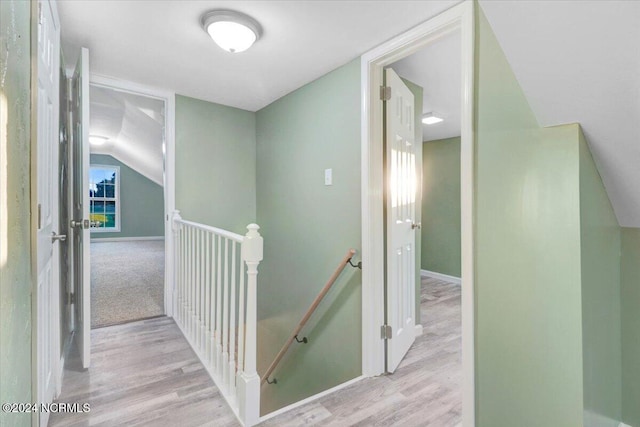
233	31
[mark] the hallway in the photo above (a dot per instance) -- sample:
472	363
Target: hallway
142	373
145	374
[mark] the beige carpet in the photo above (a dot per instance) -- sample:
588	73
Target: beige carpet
127	281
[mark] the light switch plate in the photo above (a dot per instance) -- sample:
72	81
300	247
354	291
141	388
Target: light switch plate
328	177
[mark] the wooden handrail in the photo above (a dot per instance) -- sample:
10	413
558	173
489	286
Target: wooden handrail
308	314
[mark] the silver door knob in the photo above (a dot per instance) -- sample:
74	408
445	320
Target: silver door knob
55	237
79	223
416	225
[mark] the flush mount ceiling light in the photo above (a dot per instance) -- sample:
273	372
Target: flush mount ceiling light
97	140
431	119
233	31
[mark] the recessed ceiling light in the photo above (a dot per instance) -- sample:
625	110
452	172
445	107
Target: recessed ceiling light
97	140
233	31
431	119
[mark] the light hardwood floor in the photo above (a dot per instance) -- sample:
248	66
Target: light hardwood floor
145	373
425	390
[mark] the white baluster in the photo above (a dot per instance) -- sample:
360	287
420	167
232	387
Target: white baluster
196	295
183	273
249	382
207	306
201	299
232	323
212	283
187	291
219	311
241	311
225	318
192	305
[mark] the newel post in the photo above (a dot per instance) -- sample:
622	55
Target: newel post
249	381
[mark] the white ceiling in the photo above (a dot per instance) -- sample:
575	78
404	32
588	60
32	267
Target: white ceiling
134	125
437	68
577	61
161	43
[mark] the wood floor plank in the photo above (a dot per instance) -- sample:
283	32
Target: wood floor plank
142	373
425	390
145	374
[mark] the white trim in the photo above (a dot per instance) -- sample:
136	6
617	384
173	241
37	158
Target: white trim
310	399
459	17
441	276
418	330
126	239
595	419
115	229
169	99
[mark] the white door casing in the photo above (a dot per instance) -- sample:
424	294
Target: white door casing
168	98
401	181
80	214
48	273
457	18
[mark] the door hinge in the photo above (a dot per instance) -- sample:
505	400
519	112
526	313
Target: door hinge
71	298
386	332
39	216
385	93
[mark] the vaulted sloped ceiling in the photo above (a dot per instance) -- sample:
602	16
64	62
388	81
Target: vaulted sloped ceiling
134	127
576	60
579	61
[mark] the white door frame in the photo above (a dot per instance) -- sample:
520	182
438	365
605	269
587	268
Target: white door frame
37	128
168	98
459	17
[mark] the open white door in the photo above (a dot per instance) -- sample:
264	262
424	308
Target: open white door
400	154
80	199
48	301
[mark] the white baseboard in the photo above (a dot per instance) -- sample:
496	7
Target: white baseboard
126	239
441	276
310	399
418	330
593	419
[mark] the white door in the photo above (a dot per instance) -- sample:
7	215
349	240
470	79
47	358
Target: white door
48	301
400	155
79	178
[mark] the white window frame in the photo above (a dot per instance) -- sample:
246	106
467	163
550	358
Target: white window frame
115	229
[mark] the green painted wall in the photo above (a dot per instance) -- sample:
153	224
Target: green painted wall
441	231
141	202
15	218
215	164
600	259
630	267
528	296
418	99
308	227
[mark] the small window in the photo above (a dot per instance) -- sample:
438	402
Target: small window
104	202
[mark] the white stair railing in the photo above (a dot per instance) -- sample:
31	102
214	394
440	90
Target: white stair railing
215	306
